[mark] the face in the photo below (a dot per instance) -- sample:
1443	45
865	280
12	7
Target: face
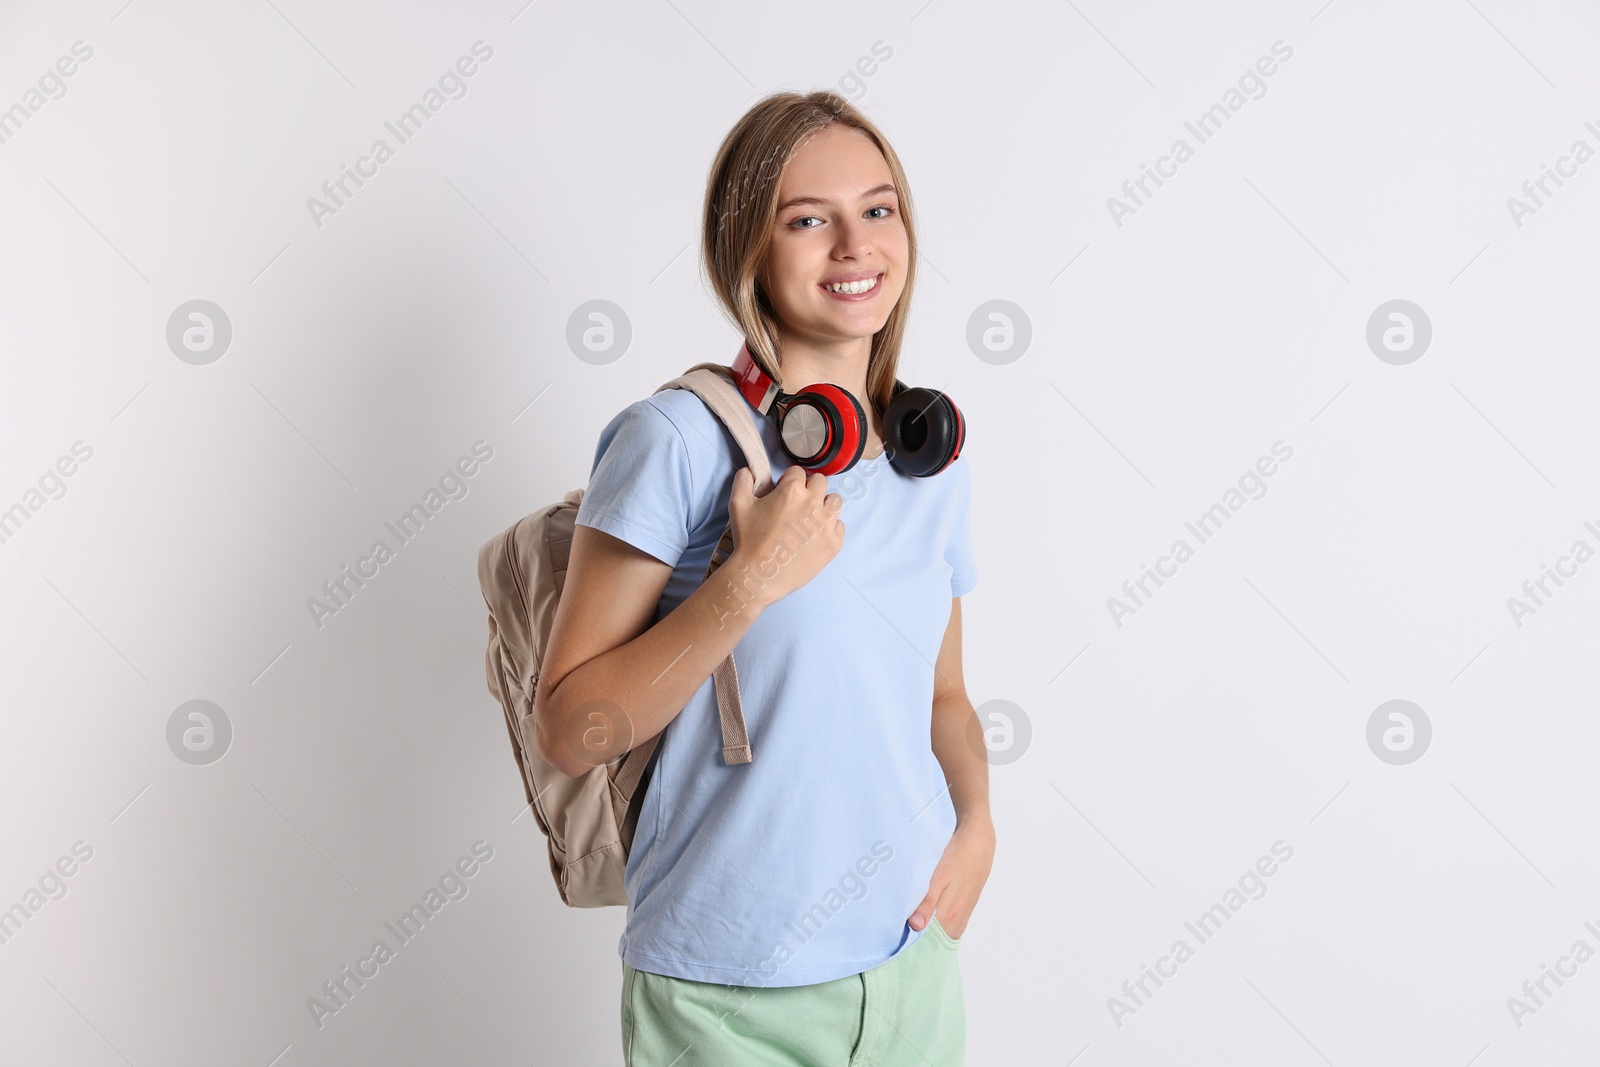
838	220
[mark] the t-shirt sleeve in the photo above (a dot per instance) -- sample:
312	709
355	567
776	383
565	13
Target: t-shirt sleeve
958	553
641	487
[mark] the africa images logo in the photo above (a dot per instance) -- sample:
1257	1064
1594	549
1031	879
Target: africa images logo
1204	928
453	885
452	85
1204	127
452	486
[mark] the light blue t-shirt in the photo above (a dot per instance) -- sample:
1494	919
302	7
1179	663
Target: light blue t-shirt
802	865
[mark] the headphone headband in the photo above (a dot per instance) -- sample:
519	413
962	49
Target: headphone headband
824	429
753	382
758	388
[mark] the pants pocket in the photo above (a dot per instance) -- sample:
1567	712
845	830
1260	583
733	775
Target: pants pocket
933	1010
943	935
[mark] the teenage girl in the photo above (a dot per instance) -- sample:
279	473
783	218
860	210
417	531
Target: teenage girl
804	908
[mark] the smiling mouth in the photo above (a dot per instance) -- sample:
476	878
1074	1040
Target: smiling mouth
855	288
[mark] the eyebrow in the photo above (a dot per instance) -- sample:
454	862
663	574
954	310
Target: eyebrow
886	187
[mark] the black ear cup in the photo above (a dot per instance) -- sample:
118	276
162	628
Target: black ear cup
923	430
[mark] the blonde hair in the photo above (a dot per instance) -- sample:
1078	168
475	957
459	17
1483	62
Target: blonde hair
741	202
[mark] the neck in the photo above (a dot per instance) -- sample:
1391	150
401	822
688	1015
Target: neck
843	363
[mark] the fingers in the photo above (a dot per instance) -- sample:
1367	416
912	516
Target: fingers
743	496
743	486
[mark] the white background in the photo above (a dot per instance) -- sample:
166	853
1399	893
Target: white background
1167	354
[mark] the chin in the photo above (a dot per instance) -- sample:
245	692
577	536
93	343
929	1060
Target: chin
856	331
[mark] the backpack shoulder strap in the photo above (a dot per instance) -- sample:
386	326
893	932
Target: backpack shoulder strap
734	412
729	407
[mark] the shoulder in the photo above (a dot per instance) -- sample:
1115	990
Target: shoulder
954	489
704	437
648	485
673	419
642	422
672	435
685	409
958	477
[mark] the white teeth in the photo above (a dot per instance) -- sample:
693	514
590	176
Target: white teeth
854	287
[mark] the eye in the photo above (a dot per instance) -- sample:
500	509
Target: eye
882	207
796	223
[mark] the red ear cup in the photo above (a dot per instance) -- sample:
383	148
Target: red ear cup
923	431
822	428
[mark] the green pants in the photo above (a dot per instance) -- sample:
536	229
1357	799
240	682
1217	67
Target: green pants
906	1012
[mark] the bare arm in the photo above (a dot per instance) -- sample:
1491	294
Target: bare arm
611	680
958	743
957	733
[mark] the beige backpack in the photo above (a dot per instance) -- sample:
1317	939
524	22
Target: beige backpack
589	820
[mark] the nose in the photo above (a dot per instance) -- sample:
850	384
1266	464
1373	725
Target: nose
854	239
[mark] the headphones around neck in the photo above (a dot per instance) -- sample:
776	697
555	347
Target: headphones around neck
823	429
